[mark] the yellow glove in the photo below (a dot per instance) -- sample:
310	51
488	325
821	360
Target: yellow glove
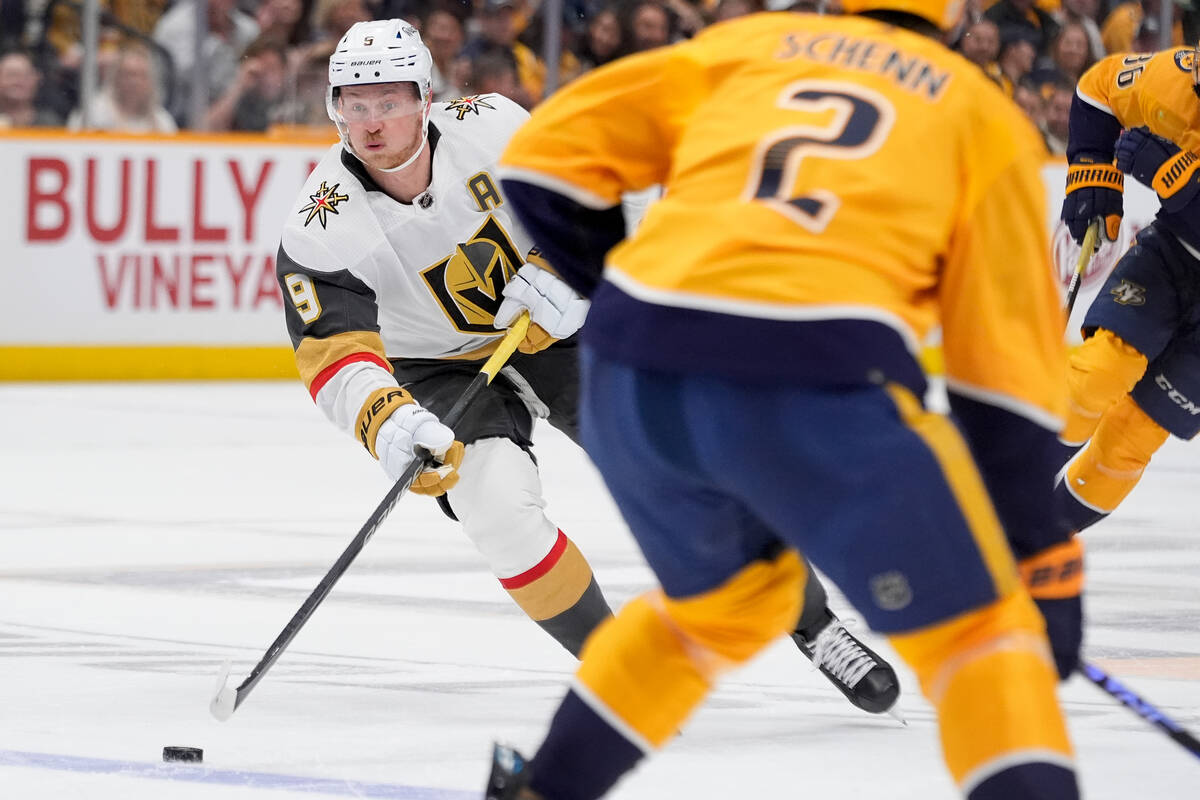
442	476
536	339
400	429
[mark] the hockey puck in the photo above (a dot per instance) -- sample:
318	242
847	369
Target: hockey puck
190	754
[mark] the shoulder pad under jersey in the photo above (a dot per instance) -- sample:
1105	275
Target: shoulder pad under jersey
487	120
330	226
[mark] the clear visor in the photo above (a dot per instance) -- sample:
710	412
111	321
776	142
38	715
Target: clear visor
373	103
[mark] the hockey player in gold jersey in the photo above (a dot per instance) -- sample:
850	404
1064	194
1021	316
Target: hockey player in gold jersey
834	188
1136	378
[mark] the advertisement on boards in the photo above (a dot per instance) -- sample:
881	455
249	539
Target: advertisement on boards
155	242
115	245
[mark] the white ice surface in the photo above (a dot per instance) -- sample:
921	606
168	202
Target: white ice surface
148	532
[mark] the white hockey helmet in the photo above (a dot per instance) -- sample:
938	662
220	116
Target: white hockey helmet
380	51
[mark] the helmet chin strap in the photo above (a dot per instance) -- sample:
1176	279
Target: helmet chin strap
408	161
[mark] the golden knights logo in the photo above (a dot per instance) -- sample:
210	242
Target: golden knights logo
1128	293
468	105
324	202
469	284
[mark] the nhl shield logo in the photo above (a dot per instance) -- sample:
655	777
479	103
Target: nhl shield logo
891	590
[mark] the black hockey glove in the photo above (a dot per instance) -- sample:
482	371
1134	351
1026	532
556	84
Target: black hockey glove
1094	189
1160	164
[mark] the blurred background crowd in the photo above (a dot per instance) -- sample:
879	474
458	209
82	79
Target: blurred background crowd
260	65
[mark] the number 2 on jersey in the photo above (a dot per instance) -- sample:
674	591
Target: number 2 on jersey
854	123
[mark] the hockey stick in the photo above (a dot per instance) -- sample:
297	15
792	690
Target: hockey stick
1087	250
1158	719
226	700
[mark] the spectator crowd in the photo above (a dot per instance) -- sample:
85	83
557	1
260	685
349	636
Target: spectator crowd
262	62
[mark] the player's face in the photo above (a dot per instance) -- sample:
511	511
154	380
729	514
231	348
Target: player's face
384	121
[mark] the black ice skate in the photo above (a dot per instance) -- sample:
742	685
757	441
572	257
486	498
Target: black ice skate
510	776
856	670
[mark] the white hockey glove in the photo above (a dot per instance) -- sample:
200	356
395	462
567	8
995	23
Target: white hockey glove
408	427
555	311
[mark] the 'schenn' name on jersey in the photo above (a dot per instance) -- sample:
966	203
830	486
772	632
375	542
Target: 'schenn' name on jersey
910	72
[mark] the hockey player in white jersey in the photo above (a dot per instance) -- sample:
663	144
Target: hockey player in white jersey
393	262
399	263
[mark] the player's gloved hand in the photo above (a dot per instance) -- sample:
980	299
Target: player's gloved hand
1054	578
1160	164
1094	189
410	427
555	310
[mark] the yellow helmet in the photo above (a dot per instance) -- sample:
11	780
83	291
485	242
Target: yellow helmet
946	14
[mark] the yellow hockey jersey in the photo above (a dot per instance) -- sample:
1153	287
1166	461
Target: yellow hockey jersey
1154	90
834	189
1151	90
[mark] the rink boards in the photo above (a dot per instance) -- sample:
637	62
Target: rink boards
133	257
